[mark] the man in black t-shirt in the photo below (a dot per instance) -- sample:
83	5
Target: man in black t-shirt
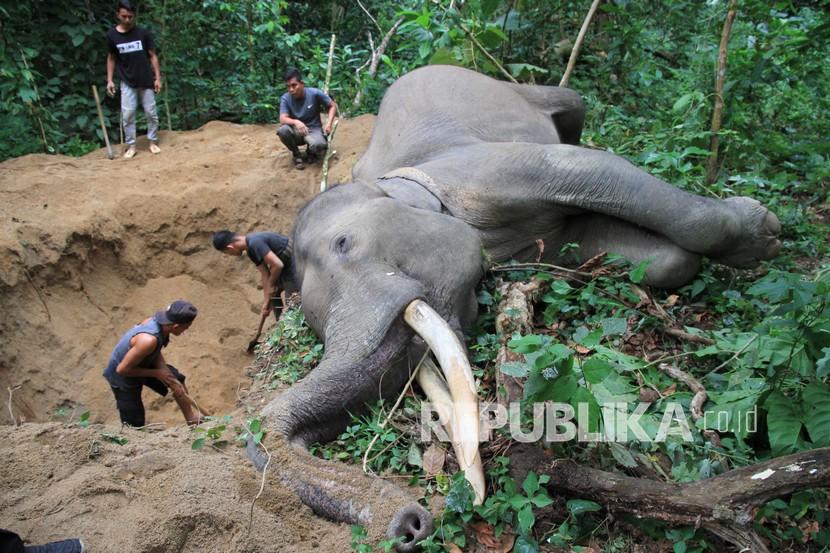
270	252
132	52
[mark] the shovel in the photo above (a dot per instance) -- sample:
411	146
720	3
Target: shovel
255	341
110	153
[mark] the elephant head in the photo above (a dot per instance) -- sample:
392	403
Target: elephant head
368	267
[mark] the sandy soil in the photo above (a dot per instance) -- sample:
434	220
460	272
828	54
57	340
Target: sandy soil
89	247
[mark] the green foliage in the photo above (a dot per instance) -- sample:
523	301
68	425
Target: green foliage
360	542
394	449
114	438
211	432
298	349
83	420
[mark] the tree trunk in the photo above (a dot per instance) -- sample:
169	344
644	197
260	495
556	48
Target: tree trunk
725	504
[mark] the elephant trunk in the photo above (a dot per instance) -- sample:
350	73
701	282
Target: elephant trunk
333	490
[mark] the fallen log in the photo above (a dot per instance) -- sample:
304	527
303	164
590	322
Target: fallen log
725	505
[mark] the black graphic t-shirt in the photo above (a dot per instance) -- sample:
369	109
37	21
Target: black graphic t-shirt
132	56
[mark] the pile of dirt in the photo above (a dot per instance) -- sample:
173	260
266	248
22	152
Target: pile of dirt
89	247
151	495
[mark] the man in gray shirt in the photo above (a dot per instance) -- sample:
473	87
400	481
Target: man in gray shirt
300	123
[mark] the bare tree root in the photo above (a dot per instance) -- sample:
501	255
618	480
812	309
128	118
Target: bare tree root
724	505
11	390
39	295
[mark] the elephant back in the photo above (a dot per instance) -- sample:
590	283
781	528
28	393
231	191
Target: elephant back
430	111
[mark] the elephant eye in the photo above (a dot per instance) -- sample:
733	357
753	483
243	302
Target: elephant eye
342	244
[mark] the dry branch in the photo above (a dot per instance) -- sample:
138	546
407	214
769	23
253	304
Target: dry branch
487	54
578	44
329	64
377	55
720	78
724	505
683	335
691	382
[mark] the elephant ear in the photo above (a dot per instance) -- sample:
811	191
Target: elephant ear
411	187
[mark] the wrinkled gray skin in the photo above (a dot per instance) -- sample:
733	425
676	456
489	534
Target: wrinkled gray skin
461	164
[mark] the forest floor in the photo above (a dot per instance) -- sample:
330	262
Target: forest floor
89	247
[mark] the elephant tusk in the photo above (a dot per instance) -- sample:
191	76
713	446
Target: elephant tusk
453	361
438	394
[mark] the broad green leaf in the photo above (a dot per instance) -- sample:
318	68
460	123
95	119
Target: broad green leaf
579	506
198	443
622	455
682	103
524	70
588	339
596	370
516	369
544	385
526	519
541	500
582	396
639	272
414	455
783	423
816	400
488	7
525	544
526	344
77	40
531	483
460	496
553	356
613	326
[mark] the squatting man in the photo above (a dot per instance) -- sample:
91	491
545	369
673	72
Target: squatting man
137	361
300	123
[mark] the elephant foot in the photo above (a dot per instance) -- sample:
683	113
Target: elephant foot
757	235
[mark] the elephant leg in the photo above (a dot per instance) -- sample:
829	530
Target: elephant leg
670	266
534	179
564	106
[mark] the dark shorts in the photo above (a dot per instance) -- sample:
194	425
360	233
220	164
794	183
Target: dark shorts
128	401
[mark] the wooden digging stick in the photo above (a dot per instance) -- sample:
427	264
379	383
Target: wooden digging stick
110	153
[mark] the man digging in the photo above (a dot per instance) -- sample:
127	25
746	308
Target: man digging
271	253
137	361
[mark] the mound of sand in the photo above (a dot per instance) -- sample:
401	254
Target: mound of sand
150	495
89	247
